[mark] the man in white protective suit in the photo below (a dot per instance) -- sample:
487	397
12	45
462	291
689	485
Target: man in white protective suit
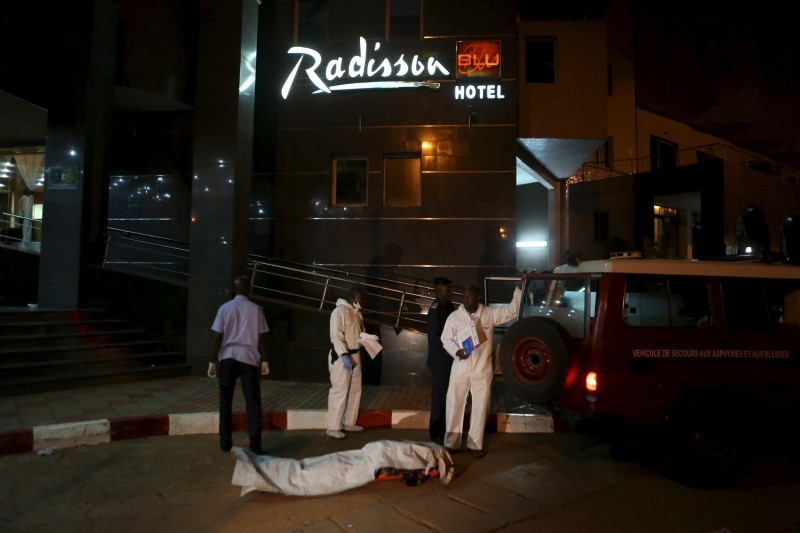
467	337
344	364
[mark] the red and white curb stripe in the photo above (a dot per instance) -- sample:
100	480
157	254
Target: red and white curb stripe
106	430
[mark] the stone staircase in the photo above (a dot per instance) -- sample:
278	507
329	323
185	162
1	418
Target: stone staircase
45	350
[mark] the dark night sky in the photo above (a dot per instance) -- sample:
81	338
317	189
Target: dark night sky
725	69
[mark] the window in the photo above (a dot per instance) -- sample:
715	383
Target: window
665	232
663	154
540	61
404	19
761	304
659	301
349	187
561	300
402	180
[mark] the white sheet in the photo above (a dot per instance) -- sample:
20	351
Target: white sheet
336	472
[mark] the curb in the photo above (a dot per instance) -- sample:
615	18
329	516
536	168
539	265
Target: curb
106	430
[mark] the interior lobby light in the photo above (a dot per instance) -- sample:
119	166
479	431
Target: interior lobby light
531	244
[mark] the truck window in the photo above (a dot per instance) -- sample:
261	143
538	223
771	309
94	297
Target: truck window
689	302
667	301
560	300
761	303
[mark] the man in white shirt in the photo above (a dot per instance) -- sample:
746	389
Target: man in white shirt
467	337
240	347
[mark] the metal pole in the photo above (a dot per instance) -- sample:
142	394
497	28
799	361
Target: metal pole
253	275
400	310
105	253
324	292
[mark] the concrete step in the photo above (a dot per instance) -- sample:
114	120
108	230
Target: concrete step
74	367
36	353
17	315
32	385
16	329
49	349
16	342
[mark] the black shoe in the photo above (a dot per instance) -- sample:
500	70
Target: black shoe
225	446
438	440
255	447
451	450
478	454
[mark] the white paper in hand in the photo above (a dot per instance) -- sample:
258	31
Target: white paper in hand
371	343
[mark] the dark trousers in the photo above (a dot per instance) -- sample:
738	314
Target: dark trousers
229	371
440	379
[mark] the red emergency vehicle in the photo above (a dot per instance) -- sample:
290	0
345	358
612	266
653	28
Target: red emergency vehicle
703	351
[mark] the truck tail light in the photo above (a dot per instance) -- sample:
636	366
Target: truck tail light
591	390
591	382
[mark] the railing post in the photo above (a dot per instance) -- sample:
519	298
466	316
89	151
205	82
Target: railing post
324	292
400	310
105	252
253	275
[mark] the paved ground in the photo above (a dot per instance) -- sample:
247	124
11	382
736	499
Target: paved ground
189	405
559	482
533	478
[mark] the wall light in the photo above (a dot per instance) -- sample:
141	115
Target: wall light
531	244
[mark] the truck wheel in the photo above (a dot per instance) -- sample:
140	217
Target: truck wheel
533	355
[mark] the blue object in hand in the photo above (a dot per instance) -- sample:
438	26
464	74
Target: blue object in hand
468	346
348	364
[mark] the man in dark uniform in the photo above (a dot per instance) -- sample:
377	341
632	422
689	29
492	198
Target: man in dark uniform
439	361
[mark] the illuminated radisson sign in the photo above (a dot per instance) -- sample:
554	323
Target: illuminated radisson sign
474	61
362	71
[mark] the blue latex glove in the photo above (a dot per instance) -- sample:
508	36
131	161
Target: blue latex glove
348	364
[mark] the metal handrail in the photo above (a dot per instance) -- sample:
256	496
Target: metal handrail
21	217
688	156
403	308
128	233
317	267
129	253
397	303
13	221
